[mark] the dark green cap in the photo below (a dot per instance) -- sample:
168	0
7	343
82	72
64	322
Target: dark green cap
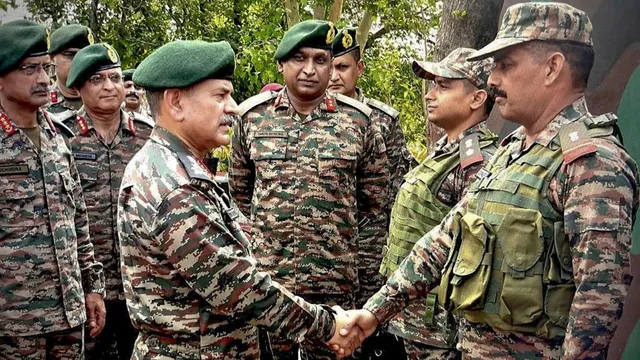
90	60
70	36
19	40
345	42
128	74
317	34
182	63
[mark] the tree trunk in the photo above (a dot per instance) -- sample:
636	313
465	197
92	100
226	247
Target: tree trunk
319	12
336	11
293	12
464	23
93	17
364	28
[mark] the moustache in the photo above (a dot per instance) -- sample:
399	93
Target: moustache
134	95
497	92
39	89
227	120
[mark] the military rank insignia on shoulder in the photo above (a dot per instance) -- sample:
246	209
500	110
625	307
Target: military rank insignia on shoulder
256	100
137	117
470	151
575	141
393	113
353	103
62	128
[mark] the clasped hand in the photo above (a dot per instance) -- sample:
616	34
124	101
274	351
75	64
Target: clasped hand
352	327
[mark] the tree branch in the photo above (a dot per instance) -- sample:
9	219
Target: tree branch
336	11
377	35
293	12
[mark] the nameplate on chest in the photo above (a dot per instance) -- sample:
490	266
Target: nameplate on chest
84	156
14	169
271	134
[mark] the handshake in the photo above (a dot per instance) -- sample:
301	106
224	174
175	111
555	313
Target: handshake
352	327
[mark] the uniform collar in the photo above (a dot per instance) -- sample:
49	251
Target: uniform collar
445	146
193	165
328	103
8	127
85	124
569	114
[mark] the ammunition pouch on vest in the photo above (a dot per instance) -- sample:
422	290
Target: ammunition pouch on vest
510	262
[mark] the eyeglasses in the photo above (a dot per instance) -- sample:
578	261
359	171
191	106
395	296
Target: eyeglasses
49	69
97	79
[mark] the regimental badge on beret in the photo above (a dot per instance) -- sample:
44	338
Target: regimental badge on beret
111	53
90	37
331	34
347	40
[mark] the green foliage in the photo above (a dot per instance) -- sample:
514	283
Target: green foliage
459	14
254	27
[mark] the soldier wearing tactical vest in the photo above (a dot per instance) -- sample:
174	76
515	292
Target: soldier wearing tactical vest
535	258
64	45
459	102
347	69
311	171
106	138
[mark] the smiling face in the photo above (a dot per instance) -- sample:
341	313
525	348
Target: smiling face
30	91
103	92
307	73
132	95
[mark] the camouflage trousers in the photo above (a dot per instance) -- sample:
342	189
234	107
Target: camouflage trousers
284	349
117	338
60	345
420	351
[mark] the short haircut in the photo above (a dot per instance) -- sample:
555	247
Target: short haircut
155	98
356	54
580	57
488	103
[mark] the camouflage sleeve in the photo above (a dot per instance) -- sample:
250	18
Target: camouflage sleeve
399	158
600	201
196	243
242	172
372	198
417	274
92	275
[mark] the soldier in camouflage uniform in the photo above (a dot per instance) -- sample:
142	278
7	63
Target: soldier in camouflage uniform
106	138
49	279
310	169
193	288
133	103
347	69
535	258
64	45
459	102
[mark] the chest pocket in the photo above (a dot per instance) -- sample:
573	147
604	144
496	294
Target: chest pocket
17	196
88	171
337	159
268	154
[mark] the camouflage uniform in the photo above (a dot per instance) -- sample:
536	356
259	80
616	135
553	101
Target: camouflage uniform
312	188
60	109
192	287
387	119
101	167
428	329
572	269
46	259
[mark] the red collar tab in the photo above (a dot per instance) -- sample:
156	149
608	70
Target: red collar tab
46	116
82	124
7	125
54	96
131	127
330	101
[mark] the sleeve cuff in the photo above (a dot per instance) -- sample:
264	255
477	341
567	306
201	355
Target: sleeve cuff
381	307
324	326
94	283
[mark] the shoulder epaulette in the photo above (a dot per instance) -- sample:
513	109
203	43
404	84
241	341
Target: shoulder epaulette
143	119
353	103
603	120
393	113
575	141
470	151
256	100
63	129
62	116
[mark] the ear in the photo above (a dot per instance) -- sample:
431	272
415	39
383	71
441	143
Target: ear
173	104
555	64
280	67
360	67
479	98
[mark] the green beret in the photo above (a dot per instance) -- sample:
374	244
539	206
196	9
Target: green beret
128	74
19	40
90	60
317	34
182	63
345	42
70	36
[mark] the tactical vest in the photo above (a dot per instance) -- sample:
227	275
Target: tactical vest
510	262
417	209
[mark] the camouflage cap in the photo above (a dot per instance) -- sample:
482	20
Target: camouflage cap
546	21
457	66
